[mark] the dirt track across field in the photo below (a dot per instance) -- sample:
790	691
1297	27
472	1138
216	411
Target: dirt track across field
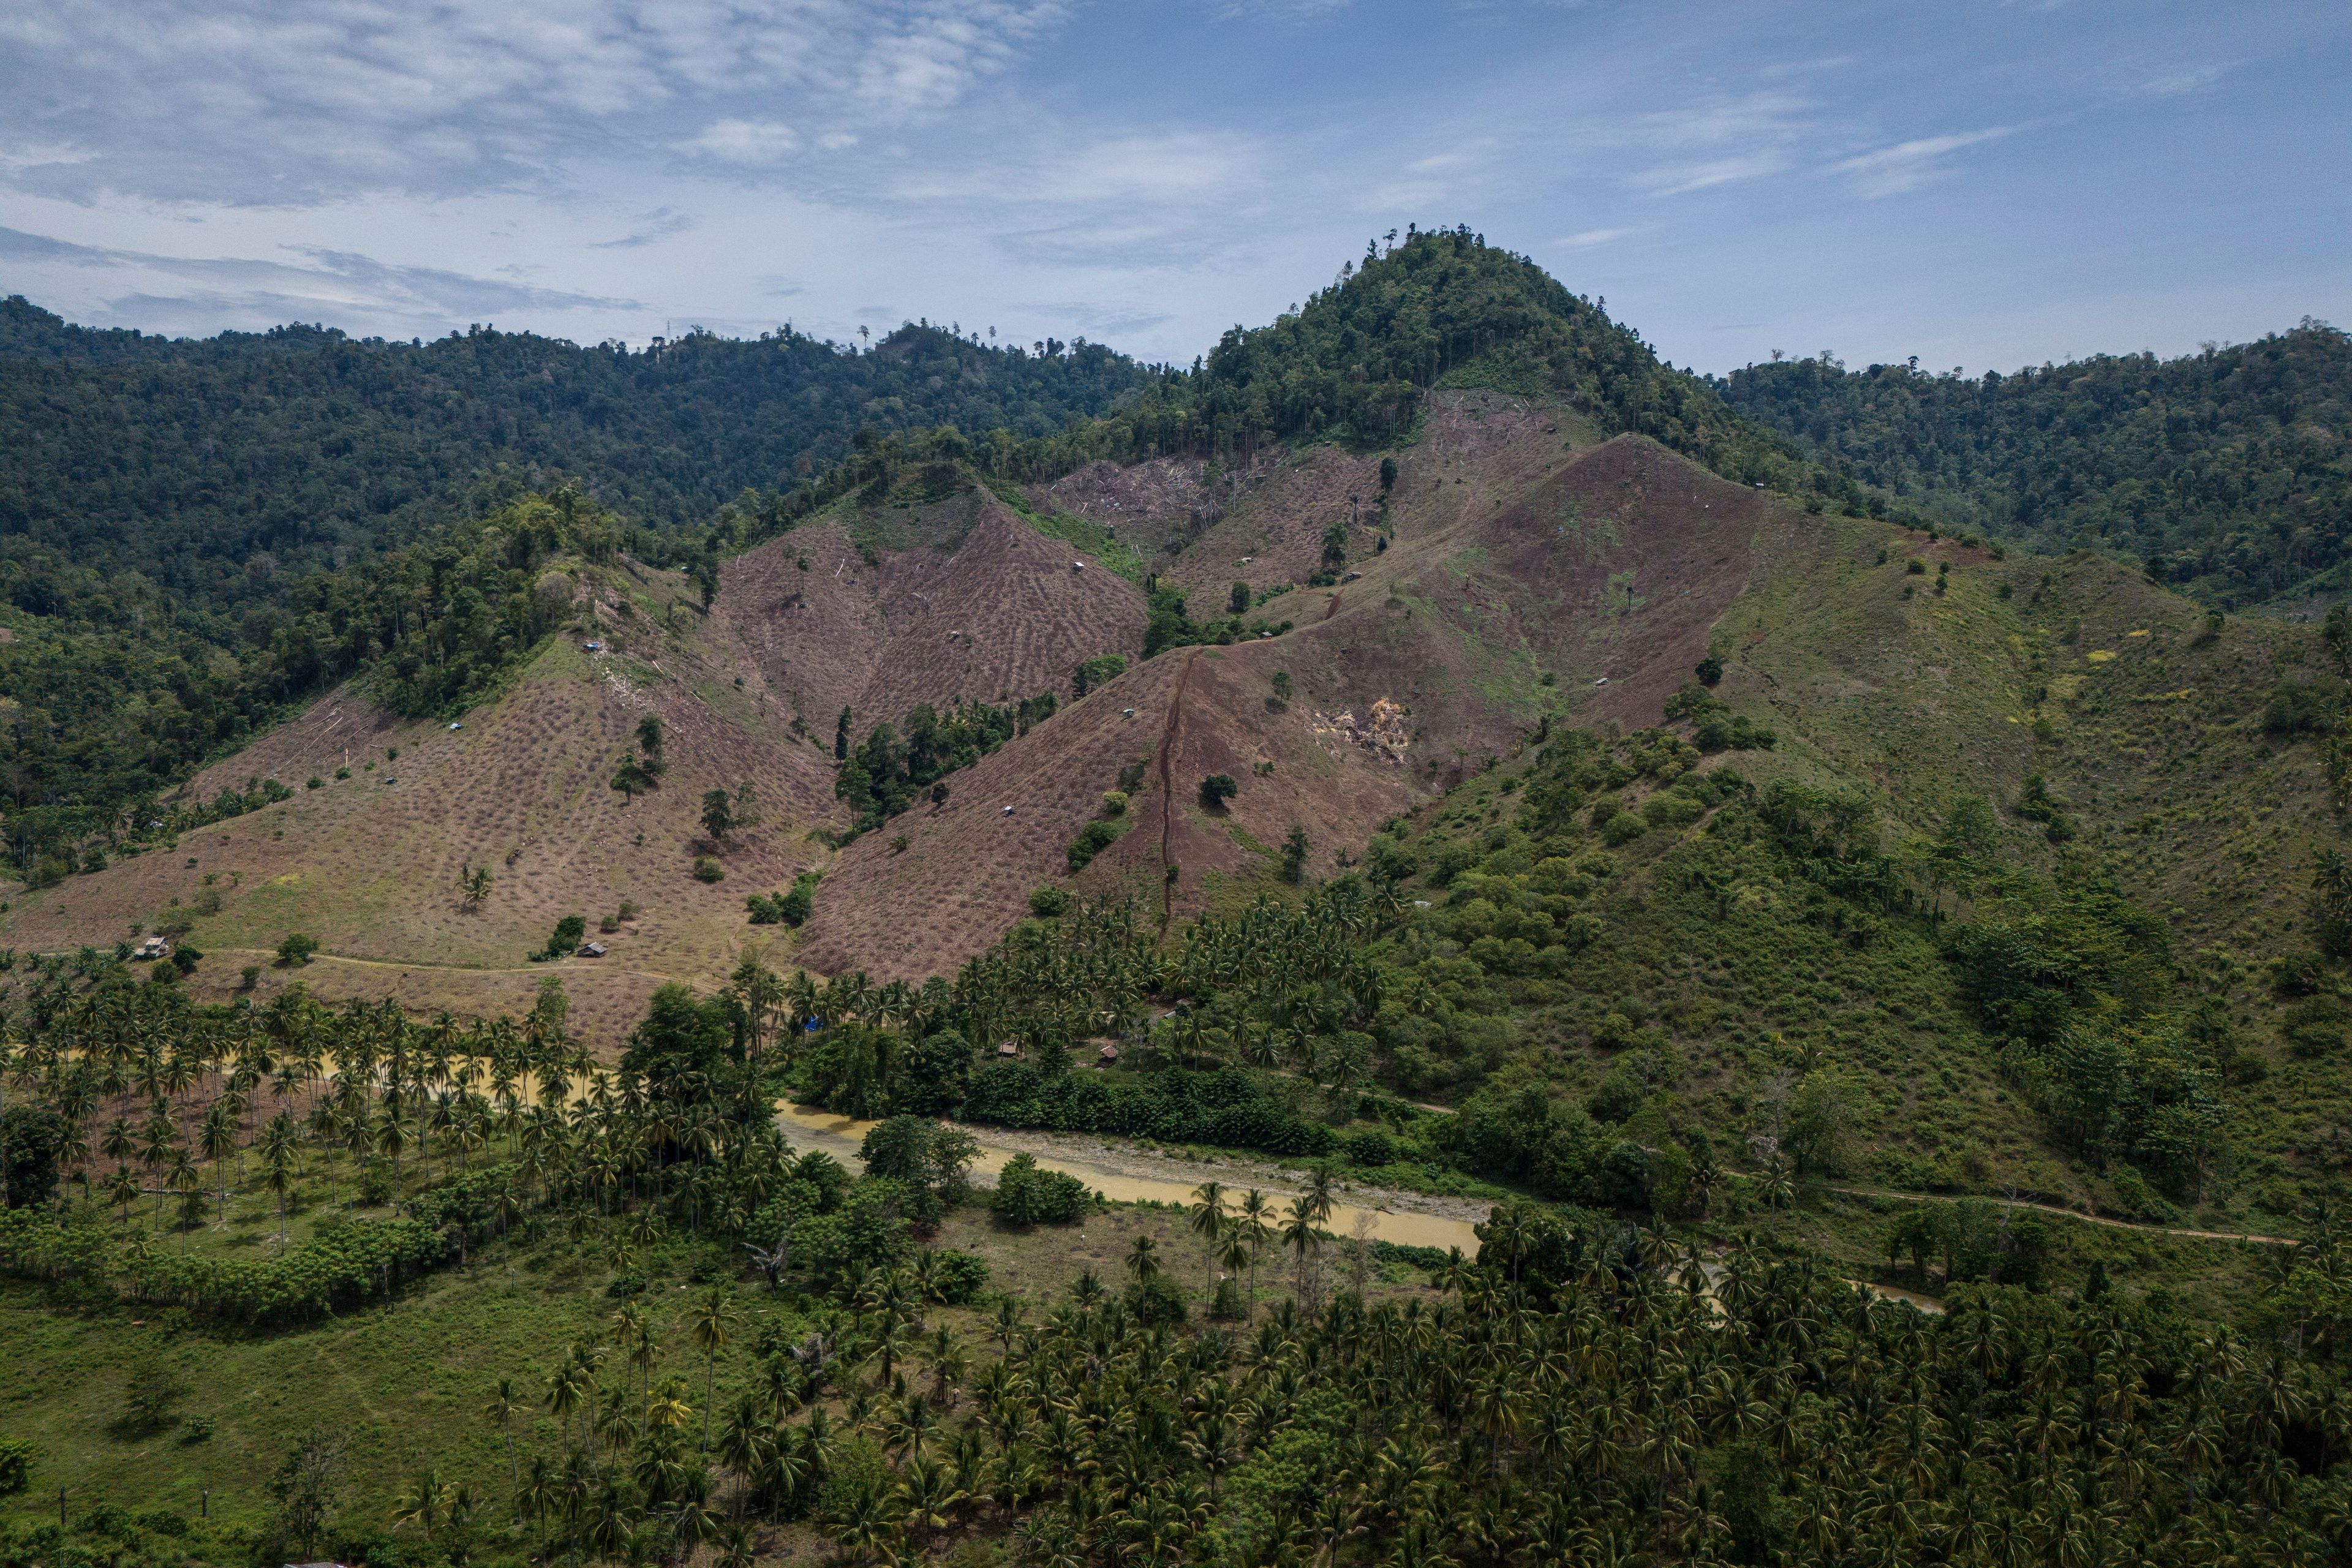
2085	1218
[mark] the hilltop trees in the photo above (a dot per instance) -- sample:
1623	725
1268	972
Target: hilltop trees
2207	467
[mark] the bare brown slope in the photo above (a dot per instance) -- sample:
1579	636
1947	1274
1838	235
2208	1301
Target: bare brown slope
369	865
1622	560
997	613
1608	560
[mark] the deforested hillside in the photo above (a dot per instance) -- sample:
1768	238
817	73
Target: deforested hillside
198	537
969	604
1221	645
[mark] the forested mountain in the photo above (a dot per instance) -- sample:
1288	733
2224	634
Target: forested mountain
193	534
2228	473
185	461
186	527
1442	309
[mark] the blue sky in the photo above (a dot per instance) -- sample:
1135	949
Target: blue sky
1980	185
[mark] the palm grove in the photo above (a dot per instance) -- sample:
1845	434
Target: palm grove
1591	1388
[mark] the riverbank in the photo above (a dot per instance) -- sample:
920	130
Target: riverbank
1124	1173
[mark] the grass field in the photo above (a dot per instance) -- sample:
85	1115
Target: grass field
406	1381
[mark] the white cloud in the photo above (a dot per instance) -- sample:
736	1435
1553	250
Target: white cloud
1677	179
746	140
2176	84
1586	239
305	101
1720	140
1907	166
312	283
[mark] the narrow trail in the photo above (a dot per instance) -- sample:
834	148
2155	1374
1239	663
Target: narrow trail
2078	1213
1167	786
323	956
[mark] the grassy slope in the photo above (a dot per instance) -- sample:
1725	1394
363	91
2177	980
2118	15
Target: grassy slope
406	1381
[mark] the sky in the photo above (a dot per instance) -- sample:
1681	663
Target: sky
1979	185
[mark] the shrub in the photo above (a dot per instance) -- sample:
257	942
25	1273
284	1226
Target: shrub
1623	829
1673	809
2315	1027
2297	708
1217	789
17	1457
1225	1108
297	950
959	1277
775	909
707	869
1373	1147
1092	840
570	932
1028	1194
1156	1302
1047	902
1115	803
1710	670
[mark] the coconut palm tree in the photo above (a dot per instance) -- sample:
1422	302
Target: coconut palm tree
1208	1222
710	1323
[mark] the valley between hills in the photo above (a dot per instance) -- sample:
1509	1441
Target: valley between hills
1852	954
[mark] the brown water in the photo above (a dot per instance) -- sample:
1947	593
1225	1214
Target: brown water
1927	1304
841	1137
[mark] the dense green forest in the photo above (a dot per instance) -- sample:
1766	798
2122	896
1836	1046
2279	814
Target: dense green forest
2228	473
205	466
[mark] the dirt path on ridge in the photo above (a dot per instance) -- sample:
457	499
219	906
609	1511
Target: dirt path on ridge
2078	1213
1167	785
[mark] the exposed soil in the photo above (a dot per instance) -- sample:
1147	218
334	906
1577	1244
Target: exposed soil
1527	575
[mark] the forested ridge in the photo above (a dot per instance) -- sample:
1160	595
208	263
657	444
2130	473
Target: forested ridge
185	460
1441	308
194	535
2227	472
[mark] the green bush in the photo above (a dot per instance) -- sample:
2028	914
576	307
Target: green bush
785	908
707	869
959	1277
1049	902
17	1457
1156	1302
2314	1026
297	950
569	934
1028	1194
1093	838
1623	829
